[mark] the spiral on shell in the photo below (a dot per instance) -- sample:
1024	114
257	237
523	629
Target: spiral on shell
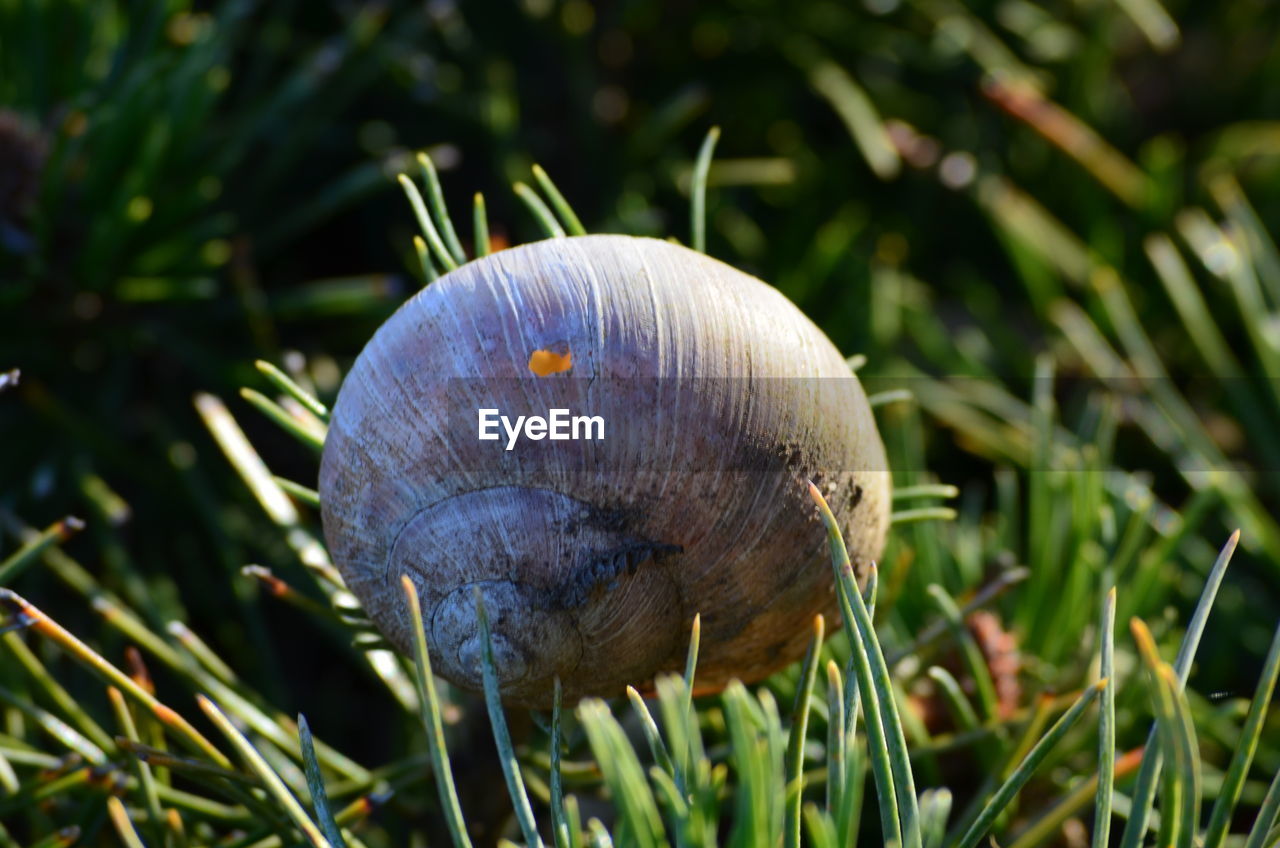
718	399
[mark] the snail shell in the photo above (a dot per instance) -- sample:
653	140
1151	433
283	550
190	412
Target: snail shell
719	398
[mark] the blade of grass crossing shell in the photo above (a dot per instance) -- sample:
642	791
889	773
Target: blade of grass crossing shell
271	781
1267	815
435	196
480	226
540	210
1144	790
571	222
559	822
124	718
691	660
698	189
1246	747
438	249
795	742
1027	767
877	744
429	707
501	736
121	822
315	785
895	737
1106	725
836	748
286	384
637	808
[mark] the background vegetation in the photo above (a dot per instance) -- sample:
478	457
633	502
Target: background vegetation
1049	223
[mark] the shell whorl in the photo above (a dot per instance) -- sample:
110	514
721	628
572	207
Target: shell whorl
719	398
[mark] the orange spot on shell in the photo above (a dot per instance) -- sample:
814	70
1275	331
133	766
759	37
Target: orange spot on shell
547	362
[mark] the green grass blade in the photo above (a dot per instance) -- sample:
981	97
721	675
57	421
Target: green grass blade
480	226
571	222
1027	767
961	709
1144	790
55	534
435	195
821	829
62	838
926	490
299	492
146	780
28	613
429	707
540	210
1175	800
859	116
888	759
637	808
501	736
315	785
311	437
795	742
286	384
438	249
925	513
691	659
1246	747
836	739
1267	816
698	189
124	827
975	662
935	809
1188	758
271	781
651	734
1106	726
65	702
559	822
429	272
573	820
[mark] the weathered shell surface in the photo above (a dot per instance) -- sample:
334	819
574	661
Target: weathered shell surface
719	399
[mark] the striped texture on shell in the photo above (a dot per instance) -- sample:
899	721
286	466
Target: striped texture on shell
719	399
